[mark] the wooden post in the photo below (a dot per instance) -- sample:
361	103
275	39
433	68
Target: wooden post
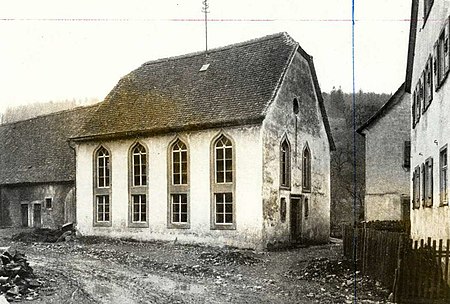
398	273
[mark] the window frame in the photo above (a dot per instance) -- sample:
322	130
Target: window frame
104	190
407	154
225	187
306	173
443	176
285	170
46	200
138	190
177	189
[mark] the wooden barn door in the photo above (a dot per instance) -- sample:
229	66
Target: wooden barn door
37	215
24	214
296	218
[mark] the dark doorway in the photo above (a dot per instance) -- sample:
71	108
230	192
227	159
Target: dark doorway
37	215
24	212
296	218
406	209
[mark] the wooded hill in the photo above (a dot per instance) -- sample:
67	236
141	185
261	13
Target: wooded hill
347	184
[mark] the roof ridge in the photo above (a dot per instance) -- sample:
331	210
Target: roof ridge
221	48
50	114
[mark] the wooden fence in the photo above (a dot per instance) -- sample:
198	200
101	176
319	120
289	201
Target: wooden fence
415	271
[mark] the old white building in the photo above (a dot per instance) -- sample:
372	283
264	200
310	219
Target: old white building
226	148
387	137
427	80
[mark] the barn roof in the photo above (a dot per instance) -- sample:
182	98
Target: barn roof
37	150
173	94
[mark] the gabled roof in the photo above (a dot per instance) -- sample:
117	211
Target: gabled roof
395	99
37	150
172	94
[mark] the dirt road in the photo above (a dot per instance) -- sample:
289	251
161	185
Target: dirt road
112	271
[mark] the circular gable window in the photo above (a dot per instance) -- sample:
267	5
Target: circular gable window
295	106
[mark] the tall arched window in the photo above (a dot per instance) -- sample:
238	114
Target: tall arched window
285	164
178	185
306	169
139	165
223	179
223	160
138	199
102	189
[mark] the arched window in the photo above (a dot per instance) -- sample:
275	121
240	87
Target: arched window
285	166
223	160
179	163
103	169
102	189
178	185
138	199
306	169
139	165
223	197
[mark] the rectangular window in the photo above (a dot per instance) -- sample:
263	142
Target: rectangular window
48	202
139	208
103	208
443	179
224	208
283	209
407	154
179	208
418	101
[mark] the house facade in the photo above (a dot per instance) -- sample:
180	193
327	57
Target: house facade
387	137
226	148
37	170
428	67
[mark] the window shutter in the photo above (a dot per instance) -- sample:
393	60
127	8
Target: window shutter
429	81
430	182
413	110
446	48
407	154
435	66
423	93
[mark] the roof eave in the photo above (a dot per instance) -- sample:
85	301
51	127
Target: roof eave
384	108
411	45
166	130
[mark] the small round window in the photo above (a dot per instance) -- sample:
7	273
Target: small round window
295	106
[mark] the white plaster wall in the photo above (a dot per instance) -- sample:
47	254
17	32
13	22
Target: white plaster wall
387	180
248	179
433	130
305	127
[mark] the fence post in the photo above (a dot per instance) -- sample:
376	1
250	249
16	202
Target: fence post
398	273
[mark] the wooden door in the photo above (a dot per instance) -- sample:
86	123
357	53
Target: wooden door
296	219
24	212
37	215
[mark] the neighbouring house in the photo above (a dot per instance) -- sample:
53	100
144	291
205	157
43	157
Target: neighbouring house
37	170
387	137
428	83
230	147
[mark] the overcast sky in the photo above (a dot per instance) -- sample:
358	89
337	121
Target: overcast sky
56	50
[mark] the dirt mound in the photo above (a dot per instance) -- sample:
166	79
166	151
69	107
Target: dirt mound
42	235
227	257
